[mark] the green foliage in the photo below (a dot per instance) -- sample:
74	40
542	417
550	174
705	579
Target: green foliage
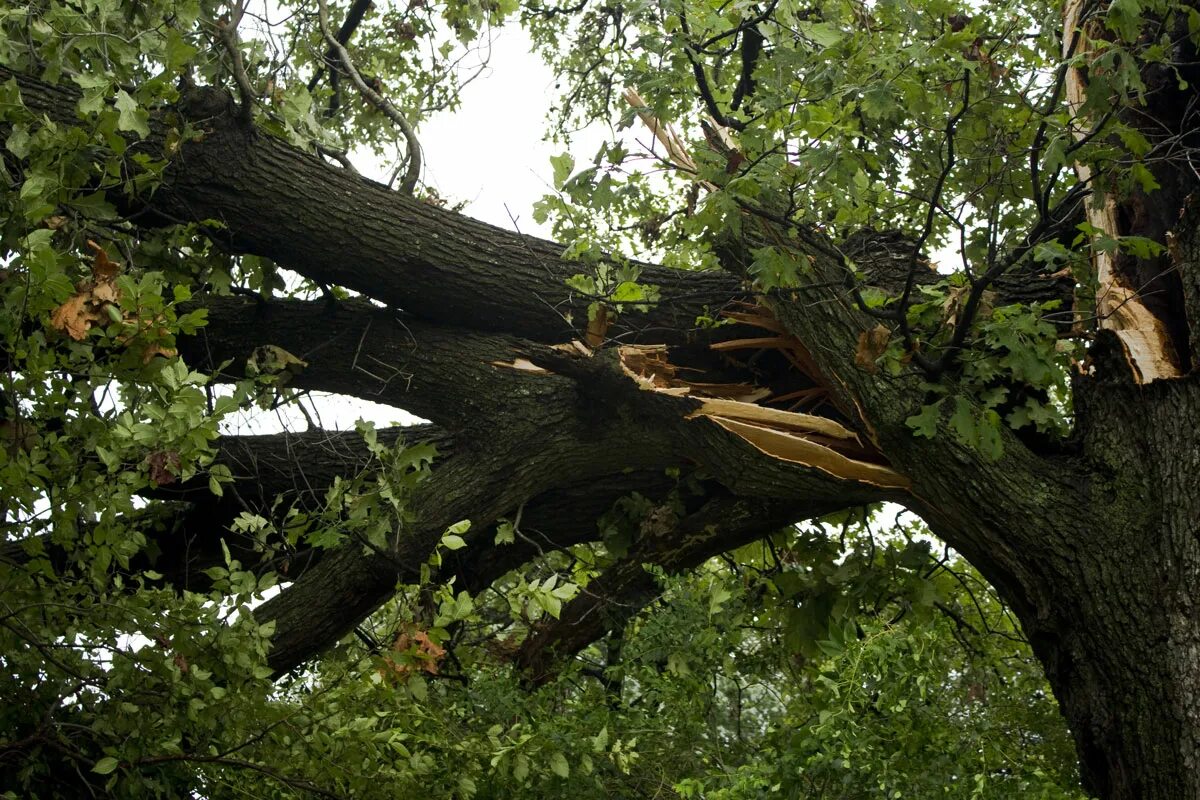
827	662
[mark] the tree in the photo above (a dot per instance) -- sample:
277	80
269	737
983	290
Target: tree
793	354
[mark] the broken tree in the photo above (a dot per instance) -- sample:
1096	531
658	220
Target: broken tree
815	365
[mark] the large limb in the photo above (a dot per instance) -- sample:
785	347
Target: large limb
276	201
452	376
594	425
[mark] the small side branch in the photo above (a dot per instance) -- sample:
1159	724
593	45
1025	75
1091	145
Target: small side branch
354	18
412	174
227	34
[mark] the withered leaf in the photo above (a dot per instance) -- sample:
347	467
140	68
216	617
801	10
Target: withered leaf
106	292
103	268
75	316
598	327
164	467
871	345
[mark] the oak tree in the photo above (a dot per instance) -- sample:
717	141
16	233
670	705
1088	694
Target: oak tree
940	255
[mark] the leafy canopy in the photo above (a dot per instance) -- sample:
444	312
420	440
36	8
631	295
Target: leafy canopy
830	661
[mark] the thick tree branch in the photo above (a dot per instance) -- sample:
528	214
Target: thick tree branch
279	202
455	377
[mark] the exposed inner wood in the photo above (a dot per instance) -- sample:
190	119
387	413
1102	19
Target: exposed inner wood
1143	336
802	450
773	417
522	364
799	438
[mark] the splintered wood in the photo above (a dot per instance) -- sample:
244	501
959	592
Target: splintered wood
805	439
797	448
1144	338
522	365
648	365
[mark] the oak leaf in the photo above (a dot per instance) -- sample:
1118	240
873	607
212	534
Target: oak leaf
75	316
164	467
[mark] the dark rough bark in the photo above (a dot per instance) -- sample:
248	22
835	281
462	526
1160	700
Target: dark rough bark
1121	642
1095	547
1095	551
567	431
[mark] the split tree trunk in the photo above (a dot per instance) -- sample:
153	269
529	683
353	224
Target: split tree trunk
1097	549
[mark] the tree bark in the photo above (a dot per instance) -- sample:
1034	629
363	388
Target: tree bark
1095	546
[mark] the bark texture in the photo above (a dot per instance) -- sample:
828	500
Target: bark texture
1096	545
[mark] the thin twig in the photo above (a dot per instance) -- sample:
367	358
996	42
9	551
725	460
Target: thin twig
227	34
354	18
377	100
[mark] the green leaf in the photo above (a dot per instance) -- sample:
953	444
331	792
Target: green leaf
562	164
559	766
105	765
925	423
877	101
18	142
452	541
717	598
132	117
823	33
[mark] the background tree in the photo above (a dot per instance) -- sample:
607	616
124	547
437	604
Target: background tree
180	197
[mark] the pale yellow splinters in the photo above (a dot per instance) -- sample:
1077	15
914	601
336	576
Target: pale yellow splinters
773	417
676	149
522	364
798	450
1147	345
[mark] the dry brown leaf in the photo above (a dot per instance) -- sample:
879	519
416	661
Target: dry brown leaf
103	268
430	652
89	305
54	222
106	292
164	467
75	316
154	350
427	652
598	327
955	298
871	345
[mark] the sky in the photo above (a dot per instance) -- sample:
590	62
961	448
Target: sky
491	152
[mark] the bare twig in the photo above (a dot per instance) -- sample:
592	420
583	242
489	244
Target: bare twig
227	34
380	102
354	18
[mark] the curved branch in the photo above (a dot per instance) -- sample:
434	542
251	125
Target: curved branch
413	173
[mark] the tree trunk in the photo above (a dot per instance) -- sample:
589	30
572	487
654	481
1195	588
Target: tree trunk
1121	638
1095	546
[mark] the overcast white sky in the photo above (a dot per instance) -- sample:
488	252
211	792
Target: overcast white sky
491	152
